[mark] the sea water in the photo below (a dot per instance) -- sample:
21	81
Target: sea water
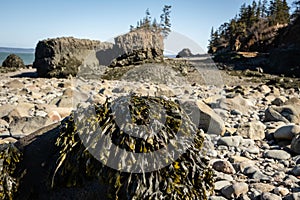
27	55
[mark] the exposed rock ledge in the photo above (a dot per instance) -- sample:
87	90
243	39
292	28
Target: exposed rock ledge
61	57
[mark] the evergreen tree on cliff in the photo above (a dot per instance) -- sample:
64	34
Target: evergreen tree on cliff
165	21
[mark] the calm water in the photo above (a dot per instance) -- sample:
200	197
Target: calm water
27	55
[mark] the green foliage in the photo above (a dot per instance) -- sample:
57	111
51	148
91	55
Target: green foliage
9	157
188	177
164	26
249	26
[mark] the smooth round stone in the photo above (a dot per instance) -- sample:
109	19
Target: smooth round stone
277	154
287	132
281	191
236	190
269	196
221	184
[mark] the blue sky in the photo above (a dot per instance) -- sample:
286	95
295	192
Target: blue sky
24	23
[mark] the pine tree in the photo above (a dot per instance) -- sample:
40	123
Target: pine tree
165	22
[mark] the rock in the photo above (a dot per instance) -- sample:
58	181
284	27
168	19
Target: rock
13	61
4	128
14	84
287	132
231	141
269	196
20	127
296	170
264	89
184	53
138	46
6	109
258	175
262	187
295	145
279	101
236	190
21	110
221	184
250	170
61	57
204	117
294	196
223	166
254	130
236	103
281	191
286	113
216	198
277	154
209	120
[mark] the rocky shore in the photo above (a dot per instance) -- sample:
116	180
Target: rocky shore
252	134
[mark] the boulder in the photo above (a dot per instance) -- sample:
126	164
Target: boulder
286	113
13	61
287	132
186	52
236	103
138	46
254	130
61	57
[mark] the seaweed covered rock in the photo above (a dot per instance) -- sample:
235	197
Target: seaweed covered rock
140	147
9	158
13	61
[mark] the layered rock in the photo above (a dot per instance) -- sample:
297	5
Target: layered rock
139	46
61	57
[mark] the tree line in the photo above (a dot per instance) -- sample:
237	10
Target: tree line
164	26
253	27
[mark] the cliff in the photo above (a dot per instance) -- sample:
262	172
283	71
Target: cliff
61	57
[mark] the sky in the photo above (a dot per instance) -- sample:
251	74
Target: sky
24	23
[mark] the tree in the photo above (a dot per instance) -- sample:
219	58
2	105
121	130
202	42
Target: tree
165	22
296	7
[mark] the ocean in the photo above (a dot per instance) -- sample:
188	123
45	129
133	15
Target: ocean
27	55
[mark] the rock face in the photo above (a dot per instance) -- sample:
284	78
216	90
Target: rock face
138	47
184	53
61	57
13	61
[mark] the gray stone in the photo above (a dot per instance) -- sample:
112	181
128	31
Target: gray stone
281	191
258	175
277	154
269	196
223	166
296	170
250	170
287	132
287	113
236	190
236	103
262	187
253	130
279	101
294	196
221	184
231	141
295	145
